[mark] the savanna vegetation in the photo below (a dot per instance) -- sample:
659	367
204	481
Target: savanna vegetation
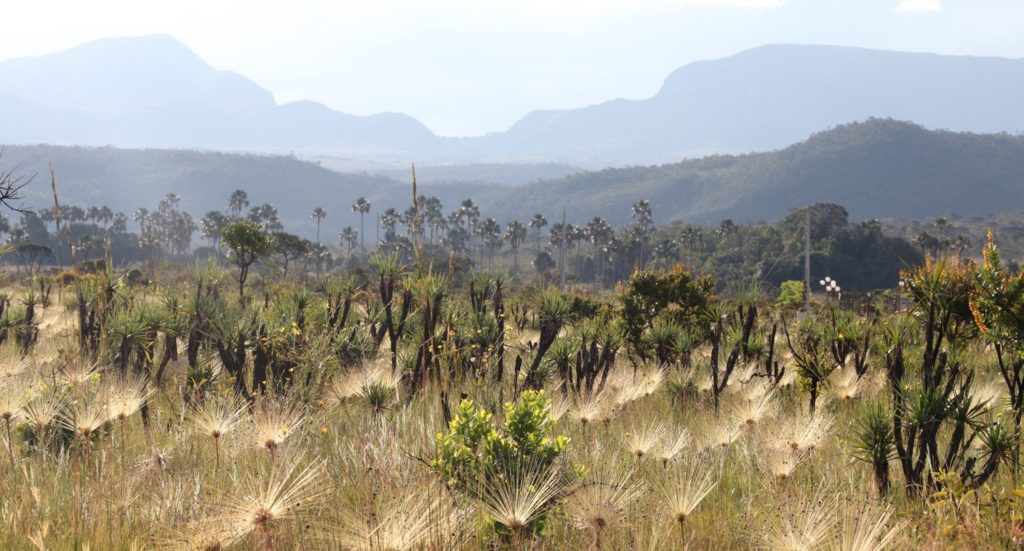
441	388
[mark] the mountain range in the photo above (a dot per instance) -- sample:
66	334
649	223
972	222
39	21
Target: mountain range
879	168
154	92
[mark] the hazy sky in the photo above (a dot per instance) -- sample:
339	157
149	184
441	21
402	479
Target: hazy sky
473	66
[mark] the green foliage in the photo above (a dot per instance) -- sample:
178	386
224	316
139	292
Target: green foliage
791	296
247	243
873	441
675	293
474	447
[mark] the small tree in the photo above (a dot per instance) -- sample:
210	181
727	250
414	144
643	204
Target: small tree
289	247
247	243
791	296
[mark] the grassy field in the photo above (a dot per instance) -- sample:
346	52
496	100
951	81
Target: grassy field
400	411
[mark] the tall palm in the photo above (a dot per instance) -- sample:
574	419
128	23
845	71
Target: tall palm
537	223
515	234
105	215
237	202
318	214
349	238
644	217
362	206
140	217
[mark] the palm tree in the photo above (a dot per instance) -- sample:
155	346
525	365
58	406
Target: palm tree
515	234
211	226
490	237
140	217
47	216
537	223
362	206
105	215
237	202
644	217
318	214
349	238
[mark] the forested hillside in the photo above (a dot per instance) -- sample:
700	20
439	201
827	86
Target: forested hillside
877	168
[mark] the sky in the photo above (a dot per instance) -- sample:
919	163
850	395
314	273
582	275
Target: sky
468	67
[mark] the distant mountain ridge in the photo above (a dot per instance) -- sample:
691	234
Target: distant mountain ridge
154	92
877	169
880	168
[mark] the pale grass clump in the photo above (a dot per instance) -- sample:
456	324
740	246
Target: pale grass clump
846	385
216	417
515	496
42	410
80	374
745	376
126	395
683	488
265	501
369	382
588	409
627	386
274	420
754	408
992	396
642	437
779	463
427	518
602	501
790	371
13	395
804	433
866	528
14	368
670	447
752	390
559	406
719	435
86	415
804	523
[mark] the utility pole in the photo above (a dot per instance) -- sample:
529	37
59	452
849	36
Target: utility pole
807	263
561	255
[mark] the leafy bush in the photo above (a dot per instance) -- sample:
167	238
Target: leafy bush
474	445
475	453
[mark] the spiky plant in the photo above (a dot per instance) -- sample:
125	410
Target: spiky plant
125	395
866	528
671	446
601	502
41	411
780	462
804	433
273	421
845	384
805	523
13	396
643	437
873	442
423	519
588	408
517	497
217	417
683	488
265	501
85	416
750	412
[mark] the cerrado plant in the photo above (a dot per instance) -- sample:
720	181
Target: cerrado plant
476	456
